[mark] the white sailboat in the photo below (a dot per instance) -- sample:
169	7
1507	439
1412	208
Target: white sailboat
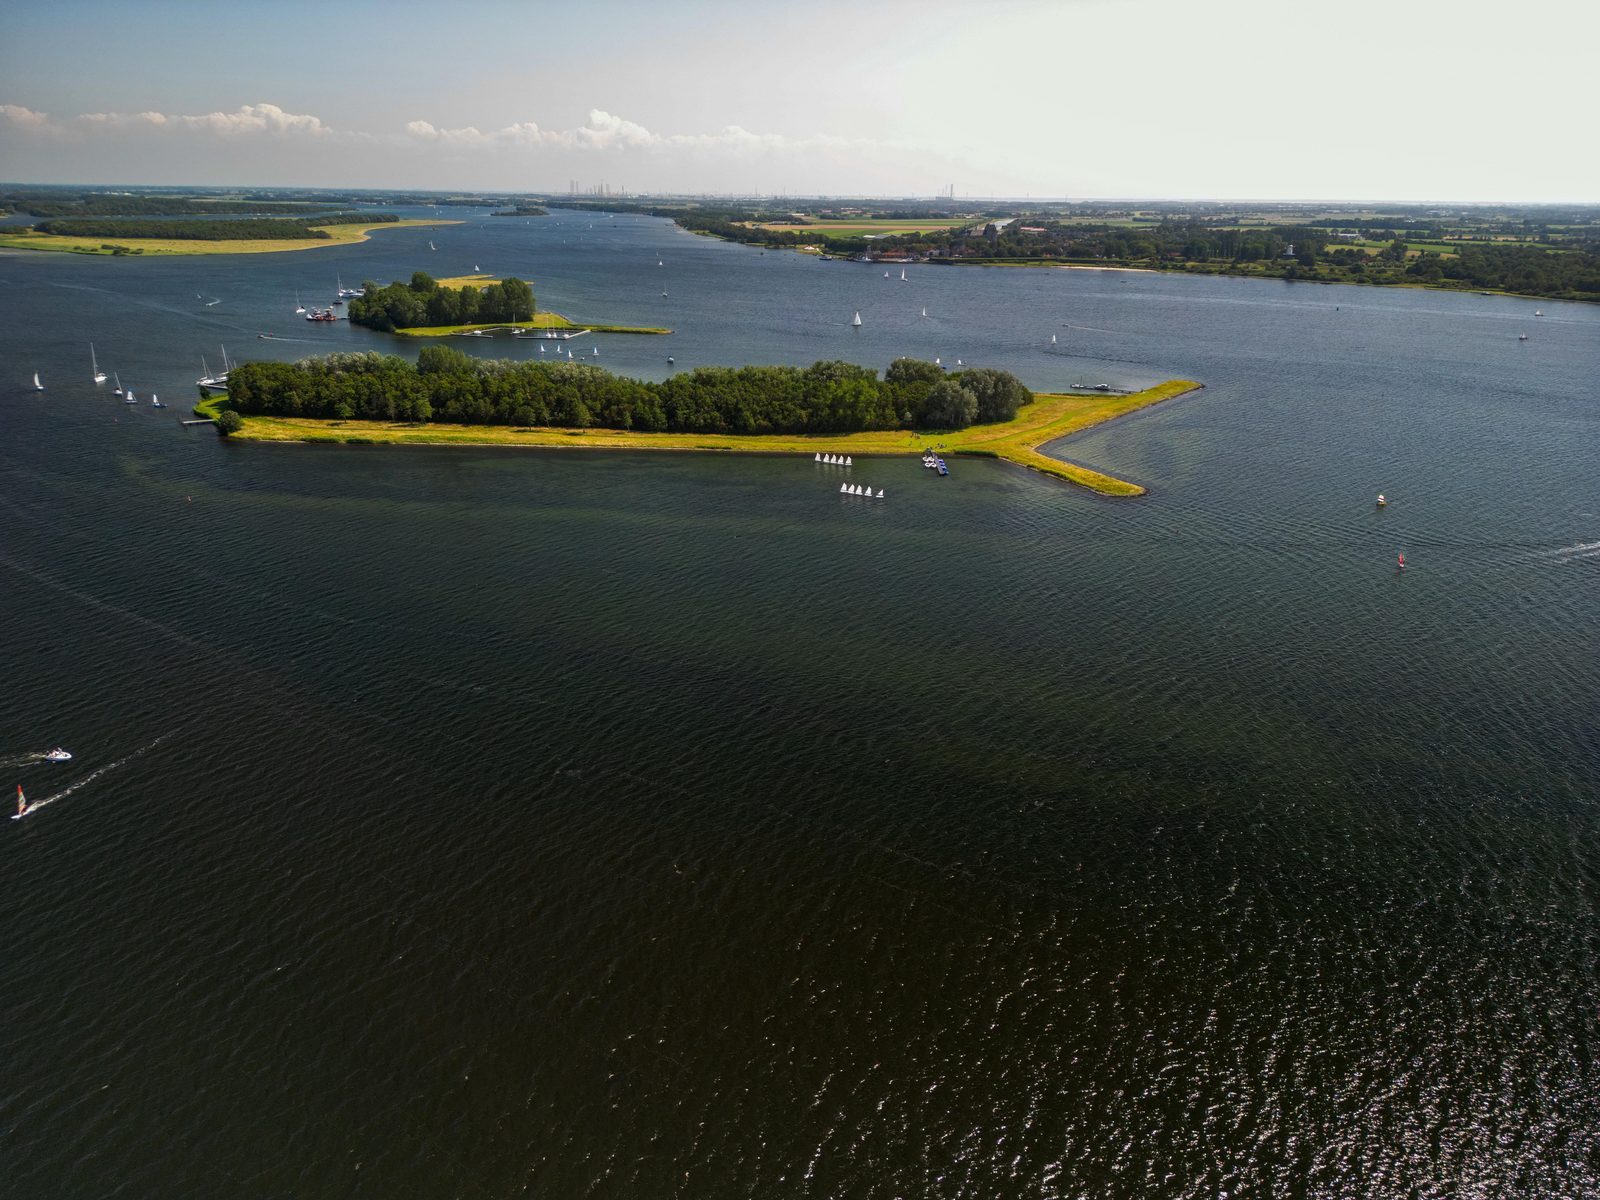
1052	339
843	488
903	278
130	398
817	457
431	246
99	375
924	312
155	401
856	320
37	386
847	461
886	274
117	391
880	493
299	306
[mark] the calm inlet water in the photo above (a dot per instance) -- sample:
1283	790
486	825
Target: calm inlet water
500	823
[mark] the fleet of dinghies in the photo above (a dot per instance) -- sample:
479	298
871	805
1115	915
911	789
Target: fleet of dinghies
833	460
857	489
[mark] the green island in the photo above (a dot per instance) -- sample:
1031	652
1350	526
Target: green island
231	237
424	307
450	398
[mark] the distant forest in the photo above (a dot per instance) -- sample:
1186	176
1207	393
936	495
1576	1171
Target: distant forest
242	229
1535	251
422	302
448	385
100	205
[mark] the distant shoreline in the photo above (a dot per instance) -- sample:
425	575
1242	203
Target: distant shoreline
1051	417
339	235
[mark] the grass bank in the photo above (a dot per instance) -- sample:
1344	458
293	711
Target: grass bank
338	235
543	320
1049	417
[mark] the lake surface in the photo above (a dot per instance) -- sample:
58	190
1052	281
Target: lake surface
499	823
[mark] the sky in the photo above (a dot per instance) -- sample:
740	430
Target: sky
1419	100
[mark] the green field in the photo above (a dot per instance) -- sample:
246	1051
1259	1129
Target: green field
338	235
857	227
1050	416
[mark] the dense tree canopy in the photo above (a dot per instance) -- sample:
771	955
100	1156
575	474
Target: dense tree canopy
448	385
243	229
422	303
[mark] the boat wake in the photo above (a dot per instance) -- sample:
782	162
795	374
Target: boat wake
20	760
33	805
1564	553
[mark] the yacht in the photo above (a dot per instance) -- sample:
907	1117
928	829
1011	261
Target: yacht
94	364
856	320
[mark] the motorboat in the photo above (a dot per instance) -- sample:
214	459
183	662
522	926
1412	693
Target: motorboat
59	755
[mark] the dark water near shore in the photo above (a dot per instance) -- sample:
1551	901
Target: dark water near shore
497	823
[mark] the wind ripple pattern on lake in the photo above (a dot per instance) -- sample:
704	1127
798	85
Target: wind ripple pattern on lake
502	823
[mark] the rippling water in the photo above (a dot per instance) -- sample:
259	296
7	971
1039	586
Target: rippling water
487	823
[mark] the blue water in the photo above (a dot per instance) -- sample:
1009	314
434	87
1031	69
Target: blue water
486	822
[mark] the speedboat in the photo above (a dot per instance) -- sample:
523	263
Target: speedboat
58	755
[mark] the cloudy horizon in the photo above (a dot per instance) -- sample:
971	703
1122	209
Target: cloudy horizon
1085	99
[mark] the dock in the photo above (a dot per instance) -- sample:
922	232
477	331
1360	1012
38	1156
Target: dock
201	421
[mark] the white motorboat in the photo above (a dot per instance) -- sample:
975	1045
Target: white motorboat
59	755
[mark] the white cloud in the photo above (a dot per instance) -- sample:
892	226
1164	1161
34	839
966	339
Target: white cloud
24	118
605	132
245	121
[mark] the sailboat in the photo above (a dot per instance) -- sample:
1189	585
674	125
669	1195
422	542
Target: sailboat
886	274
1052	339
299	307
155	401
903	278
924	312
130	398
22	805
99	375
431	246
855	321
118	390
37	386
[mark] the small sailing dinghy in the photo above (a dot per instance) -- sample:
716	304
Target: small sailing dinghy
1382	503
117	391
817	457
22	805
155	401
94	363
37	386
856	320
299	306
903	278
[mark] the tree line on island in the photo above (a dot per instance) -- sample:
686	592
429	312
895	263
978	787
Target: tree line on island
447	385
423	302
243	229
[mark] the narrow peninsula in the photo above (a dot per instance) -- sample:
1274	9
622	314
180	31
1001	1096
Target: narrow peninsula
450	398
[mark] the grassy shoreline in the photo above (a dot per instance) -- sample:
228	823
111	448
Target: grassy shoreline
541	320
1049	418
339	235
